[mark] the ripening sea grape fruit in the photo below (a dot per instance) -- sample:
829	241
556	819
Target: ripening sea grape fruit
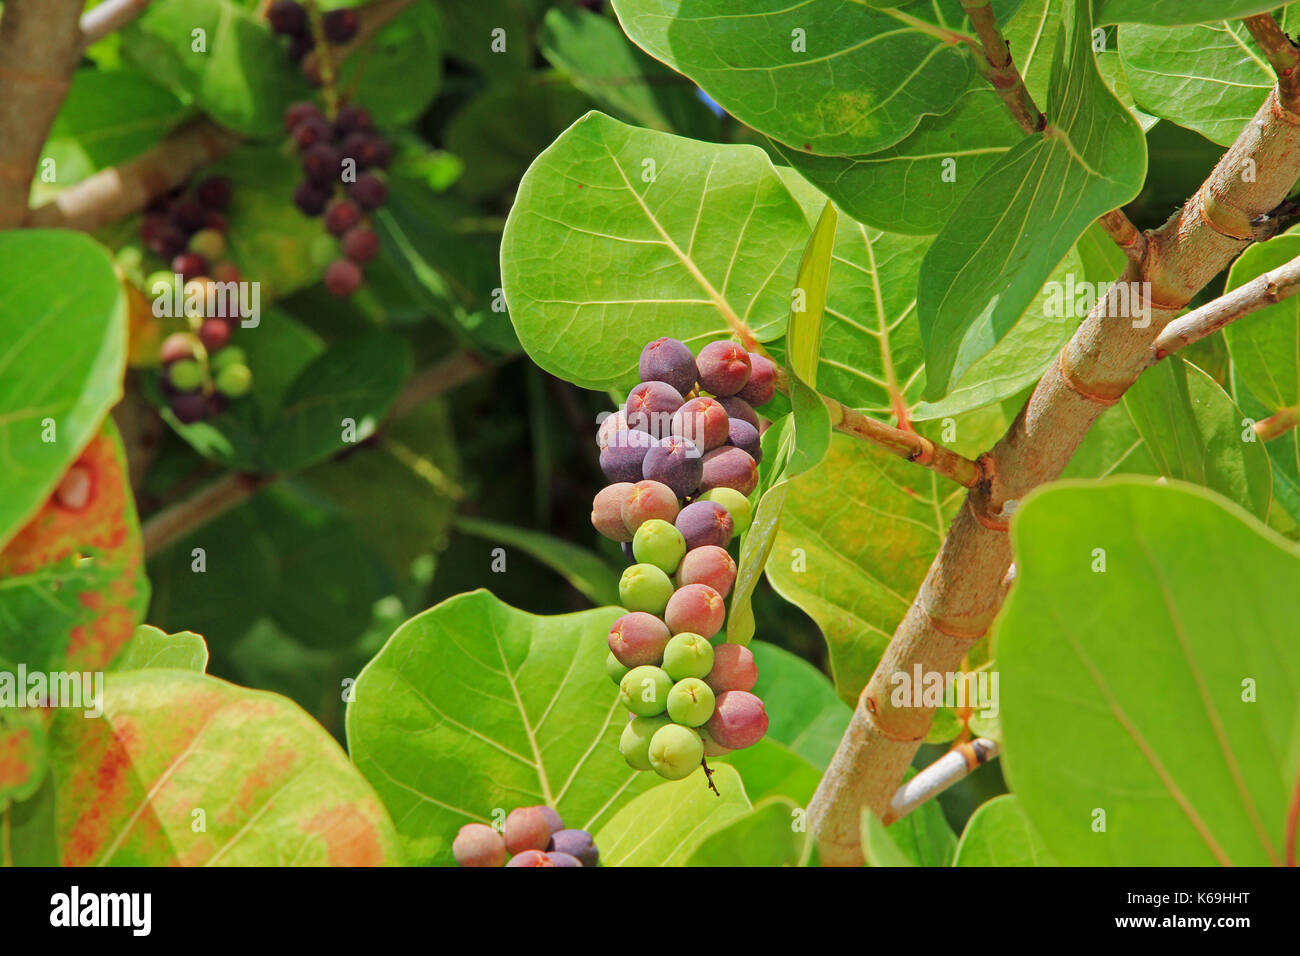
710	565
621	458
477	844
612	424
651	406
704	523
729	467
527	828
761	386
634	744
739	719
553	818
702	420
577	844
745	436
638	638
695	609
558	858
659	543
646	501
738	409
645	587
668	360
733	669
607	511
690	702
673	461
675	751
687	655
724	368
737	505
711	747
530	858
644	690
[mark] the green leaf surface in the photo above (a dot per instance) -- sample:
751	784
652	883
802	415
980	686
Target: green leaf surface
1176	422
1020	220
764	836
22	756
1188	740
601	61
218	54
922	838
62	356
771	769
1220	80
187	770
617	229
838	79
399	72
583	569
999	834
857	536
804	712
803	336
1265	345
474	706
355	381
665	825
155	648
916	185
1174	12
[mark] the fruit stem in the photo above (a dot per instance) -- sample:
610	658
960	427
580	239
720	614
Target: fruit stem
708	775
325	60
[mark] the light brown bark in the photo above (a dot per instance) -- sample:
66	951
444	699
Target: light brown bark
964	587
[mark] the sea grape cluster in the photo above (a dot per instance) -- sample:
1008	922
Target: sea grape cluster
532	836
291	20
186	228
341	183
682	458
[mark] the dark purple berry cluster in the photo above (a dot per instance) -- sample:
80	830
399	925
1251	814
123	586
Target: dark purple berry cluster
290	19
328	189
682	457
186	228
534	836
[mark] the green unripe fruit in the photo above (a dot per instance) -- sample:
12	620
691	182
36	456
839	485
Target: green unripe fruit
675	751
634	745
234	381
644	690
645	587
688	655
209	243
690	702
162	282
230	355
657	542
737	505
614	669
185	374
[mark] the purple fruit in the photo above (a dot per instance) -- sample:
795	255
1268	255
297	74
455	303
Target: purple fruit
736	407
557	858
703	421
627	552
650	408
287	16
744	436
733	669
729	467
638	638
622	458
189	407
577	843
340	26
762	381
530	858
704	523
612	423
675	462
554	819
607	511
321	163
739	720
310	198
668	360
352	118
724	368
369	191
477	844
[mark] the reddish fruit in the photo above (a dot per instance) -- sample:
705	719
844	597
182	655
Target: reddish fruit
177	346
214	334
214	192
302	110
360	244
190	265
341	25
343	277
341	215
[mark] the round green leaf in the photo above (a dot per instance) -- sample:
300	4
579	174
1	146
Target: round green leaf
999	834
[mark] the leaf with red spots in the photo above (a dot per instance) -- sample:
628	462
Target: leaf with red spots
73	578
62	355
184	769
22	754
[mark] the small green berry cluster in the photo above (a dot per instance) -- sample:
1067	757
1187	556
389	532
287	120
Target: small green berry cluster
202	371
682	464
